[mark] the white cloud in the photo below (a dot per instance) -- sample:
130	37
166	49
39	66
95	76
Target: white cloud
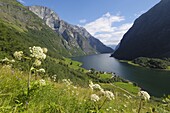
103	28
21	1
82	21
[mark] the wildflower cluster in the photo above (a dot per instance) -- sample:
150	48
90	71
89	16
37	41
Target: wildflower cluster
18	55
41	70
95	86
70	88
42	82
7	61
108	109
54	78
67	82
95	97
108	94
38	52
7	67
144	95
37	63
37	55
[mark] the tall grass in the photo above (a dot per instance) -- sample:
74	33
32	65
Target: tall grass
62	98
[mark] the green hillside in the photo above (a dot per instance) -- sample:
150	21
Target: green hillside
20	29
48	82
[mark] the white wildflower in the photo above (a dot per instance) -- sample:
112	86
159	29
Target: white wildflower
32	68
144	95
128	97
7	67
45	50
74	87
5	60
12	61
109	95
41	70
18	55
44	56
42	82
77	93
91	85
95	86
107	109
125	105
37	62
54	77
115	110
67	82
72	92
37	52
102	91
95	97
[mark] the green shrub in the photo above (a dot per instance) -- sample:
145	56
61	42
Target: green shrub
152	62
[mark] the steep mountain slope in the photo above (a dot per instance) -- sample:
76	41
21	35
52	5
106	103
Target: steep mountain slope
20	29
76	38
149	36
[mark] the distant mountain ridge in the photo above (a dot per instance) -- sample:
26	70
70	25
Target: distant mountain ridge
75	37
149	36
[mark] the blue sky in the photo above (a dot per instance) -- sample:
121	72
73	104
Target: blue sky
107	20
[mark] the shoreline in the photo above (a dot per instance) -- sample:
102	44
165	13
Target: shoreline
137	65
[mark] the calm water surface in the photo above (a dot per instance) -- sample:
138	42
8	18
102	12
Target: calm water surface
156	82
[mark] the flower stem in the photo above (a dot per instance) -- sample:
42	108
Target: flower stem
29	77
102	104
28	82
140	105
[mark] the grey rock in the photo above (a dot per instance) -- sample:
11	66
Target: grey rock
77	39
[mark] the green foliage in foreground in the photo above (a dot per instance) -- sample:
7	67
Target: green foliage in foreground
152	62
53	97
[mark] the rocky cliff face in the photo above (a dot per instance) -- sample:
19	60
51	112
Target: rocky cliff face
75	38
149	36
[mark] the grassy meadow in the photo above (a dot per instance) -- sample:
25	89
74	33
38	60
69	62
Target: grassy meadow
63	96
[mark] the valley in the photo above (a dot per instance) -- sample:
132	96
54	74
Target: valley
48	65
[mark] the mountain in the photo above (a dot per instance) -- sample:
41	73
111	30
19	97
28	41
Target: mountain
20	29
149	36
75	37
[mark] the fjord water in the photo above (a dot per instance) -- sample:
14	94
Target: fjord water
156	82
